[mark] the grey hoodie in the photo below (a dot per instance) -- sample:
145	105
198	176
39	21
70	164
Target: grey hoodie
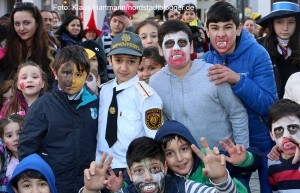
211	111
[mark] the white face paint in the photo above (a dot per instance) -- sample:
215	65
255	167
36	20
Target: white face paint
148	176
283	130
91	82
177	49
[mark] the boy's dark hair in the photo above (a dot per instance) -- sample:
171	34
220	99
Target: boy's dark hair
152	52
188	7
173	26
170	8
283	108
28	174
75	54
222	12
118	13
165	141
144	148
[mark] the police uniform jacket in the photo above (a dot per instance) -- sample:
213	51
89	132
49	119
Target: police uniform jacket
139	114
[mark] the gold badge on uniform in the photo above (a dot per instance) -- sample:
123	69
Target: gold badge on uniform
153	118
112	110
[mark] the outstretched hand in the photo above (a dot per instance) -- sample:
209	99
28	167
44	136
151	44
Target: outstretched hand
95	178
215	165
237	152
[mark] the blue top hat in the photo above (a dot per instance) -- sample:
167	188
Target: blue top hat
281	9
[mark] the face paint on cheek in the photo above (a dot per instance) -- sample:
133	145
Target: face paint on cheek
155	186
7	144
22	85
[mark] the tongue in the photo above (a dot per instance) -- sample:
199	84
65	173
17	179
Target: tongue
221	45
288	145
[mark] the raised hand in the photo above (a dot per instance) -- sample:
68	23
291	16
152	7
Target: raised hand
223	74
95	178
237	152
125	20
114	182
215	165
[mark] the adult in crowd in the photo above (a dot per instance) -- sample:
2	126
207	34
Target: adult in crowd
48	19
172	13
70	32
56	20
27	40
283	40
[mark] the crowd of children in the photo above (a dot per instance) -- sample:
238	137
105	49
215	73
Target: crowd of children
82	111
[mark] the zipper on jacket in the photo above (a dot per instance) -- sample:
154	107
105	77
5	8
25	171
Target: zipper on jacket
225	63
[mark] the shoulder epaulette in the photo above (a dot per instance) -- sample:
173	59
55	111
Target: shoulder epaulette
144	89
101	85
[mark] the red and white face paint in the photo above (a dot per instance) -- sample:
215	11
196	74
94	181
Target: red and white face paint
284	131
177	49
30	80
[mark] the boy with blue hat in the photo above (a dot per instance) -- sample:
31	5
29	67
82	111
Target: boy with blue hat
32	174
129	108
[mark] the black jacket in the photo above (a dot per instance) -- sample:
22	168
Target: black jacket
65	137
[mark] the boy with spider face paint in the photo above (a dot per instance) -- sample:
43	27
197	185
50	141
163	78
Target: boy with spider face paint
284	125
147	169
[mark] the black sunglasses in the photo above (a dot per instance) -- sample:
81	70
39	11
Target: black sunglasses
21	4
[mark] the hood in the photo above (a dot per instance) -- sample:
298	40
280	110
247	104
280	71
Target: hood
244	41
34	162
175	128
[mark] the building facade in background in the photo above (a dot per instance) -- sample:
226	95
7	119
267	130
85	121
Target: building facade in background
143	8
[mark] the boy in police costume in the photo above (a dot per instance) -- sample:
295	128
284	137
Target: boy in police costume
129	108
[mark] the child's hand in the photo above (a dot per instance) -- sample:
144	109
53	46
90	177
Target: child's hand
95	178
297	153
215	165
237	152
274	154
125	20
114	183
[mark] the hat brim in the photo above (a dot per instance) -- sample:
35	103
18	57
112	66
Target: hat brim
98	32
265	20
125	51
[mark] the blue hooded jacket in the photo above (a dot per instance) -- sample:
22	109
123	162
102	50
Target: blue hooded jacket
176	128
256	87
34	162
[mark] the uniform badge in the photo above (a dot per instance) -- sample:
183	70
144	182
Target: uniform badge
153	118
94	113
112	110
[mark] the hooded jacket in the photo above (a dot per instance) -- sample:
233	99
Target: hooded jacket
256	87
34	162
175	128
